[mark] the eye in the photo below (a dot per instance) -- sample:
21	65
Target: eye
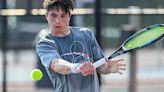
63	15
53	15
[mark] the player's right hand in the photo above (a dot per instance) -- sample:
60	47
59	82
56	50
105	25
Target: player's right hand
86	68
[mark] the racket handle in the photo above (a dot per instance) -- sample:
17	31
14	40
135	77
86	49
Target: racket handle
99	62
75	67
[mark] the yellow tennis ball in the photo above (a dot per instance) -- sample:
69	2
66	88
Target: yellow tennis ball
36	74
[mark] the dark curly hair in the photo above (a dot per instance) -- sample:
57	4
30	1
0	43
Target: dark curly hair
65	5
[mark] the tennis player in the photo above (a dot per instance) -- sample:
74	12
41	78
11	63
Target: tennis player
67	50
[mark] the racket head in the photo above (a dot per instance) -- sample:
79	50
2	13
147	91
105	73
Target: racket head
124	47
144	37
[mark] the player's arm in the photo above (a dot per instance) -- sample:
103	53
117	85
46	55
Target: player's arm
112	66
62	66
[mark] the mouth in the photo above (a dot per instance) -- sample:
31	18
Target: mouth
58	26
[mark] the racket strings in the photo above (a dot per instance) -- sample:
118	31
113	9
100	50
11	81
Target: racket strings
144	37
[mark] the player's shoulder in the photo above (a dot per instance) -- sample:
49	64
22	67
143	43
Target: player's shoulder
46	39
82	29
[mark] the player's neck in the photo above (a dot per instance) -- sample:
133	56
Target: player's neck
61	33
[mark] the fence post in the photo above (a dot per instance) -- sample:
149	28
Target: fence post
4	48
134	20
97	10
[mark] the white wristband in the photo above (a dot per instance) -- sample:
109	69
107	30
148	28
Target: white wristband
74	68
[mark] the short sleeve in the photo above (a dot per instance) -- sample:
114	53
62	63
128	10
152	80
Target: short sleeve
96	50
46	51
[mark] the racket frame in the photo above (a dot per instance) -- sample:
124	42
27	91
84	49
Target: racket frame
121	50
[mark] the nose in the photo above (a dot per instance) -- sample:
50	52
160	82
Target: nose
58	20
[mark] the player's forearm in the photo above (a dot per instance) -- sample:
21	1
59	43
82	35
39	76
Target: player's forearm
62	66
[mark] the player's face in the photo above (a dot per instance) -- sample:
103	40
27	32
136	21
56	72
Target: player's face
58	20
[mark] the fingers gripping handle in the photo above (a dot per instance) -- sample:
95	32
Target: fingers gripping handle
75	67
99	62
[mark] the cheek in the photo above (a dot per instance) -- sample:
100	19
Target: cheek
51	20
66	21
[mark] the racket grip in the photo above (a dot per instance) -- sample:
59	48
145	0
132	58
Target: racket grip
99	63
75	67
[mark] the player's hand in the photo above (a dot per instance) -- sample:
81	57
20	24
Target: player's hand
86	68
116	66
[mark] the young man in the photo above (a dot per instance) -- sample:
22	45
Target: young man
67	50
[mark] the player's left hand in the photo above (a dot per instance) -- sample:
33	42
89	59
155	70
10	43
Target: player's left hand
116	66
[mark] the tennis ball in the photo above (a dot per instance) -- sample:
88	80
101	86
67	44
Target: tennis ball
36	74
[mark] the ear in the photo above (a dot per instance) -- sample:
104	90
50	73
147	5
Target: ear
70	15
46	15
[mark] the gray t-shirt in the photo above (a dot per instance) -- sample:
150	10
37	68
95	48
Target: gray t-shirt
77	47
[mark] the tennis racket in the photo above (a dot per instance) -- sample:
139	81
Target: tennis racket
138	40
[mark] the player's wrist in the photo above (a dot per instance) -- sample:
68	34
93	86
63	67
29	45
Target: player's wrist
112	67
74	67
